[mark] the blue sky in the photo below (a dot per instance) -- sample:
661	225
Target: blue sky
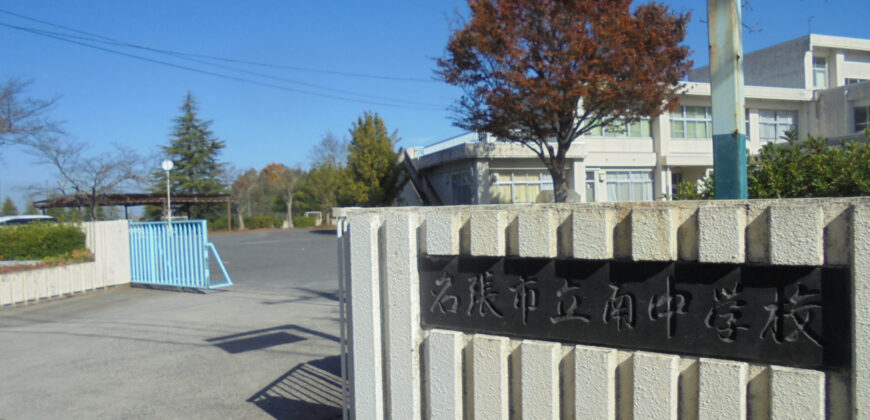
110	99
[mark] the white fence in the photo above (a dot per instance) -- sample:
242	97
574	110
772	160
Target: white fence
397	369
110	243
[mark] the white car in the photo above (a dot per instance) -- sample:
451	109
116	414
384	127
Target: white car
21	219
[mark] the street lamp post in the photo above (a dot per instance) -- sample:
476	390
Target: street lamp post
167	166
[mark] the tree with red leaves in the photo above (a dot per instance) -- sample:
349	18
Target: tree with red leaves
543	72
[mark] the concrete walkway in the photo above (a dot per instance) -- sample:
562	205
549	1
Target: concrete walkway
262	349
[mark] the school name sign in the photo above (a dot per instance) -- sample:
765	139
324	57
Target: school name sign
797	316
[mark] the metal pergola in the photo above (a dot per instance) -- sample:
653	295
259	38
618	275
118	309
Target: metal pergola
127	200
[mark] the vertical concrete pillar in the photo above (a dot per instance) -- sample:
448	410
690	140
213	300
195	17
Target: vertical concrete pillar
365	297
488	235
654	234
594	383
489	381
837	75
722	390
796	394
861	306
592	233
808	69
792	246
441	232
539	379
656	379
536	234
721	234
402	314
444	375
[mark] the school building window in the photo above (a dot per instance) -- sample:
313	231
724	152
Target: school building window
692	122
629	186
862	118
460	188
773	125
820	72
642	128
518	186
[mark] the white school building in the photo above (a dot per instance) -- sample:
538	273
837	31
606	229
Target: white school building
817	85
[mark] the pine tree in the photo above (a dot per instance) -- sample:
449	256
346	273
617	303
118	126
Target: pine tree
8	208
194	149
372	164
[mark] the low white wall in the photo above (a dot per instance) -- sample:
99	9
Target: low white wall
110	243
398	370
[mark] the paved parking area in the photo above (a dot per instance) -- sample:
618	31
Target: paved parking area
265	348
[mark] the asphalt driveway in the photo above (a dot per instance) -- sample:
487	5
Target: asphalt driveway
265	348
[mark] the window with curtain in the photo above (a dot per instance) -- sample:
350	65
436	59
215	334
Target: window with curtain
692	122
772	125
460	188
862	118
629	186
590	187
820	72
518	186
746	120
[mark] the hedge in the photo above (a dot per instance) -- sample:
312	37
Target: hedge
261	222
220	224
303	221
37	241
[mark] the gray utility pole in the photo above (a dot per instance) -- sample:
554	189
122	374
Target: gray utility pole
724	28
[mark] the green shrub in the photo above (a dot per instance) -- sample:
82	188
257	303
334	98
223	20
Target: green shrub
704	189
39	240
811	168
220	224
263	222
303	221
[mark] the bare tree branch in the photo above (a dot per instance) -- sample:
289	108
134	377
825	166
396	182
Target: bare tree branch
86	175
23	118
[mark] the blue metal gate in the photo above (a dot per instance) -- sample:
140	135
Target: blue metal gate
173	254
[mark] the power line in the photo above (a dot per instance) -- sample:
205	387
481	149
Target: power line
66	38
224	59
38	31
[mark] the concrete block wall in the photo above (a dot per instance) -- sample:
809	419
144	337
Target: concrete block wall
398	370
110	243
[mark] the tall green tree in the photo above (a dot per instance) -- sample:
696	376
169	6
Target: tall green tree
283	183
319	190
241	194
372	163
195	151
9	208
